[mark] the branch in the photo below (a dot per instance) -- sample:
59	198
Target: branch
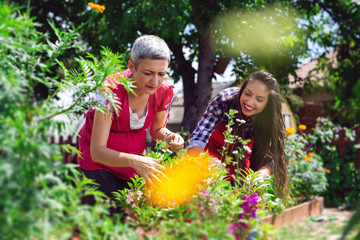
69	108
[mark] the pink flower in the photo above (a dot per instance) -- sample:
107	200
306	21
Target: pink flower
206	193
129	198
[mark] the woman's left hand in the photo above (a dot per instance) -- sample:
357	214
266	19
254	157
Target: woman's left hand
175	141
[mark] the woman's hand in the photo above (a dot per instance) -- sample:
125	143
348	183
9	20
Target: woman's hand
175	141
147	167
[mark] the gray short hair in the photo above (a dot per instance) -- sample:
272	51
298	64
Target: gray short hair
150	47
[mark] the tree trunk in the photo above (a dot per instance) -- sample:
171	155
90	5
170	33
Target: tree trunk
186	71
197	96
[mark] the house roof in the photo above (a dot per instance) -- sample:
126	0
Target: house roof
307	71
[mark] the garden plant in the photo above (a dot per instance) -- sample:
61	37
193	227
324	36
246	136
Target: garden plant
41	196
343	170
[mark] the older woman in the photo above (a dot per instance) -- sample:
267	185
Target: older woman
112	145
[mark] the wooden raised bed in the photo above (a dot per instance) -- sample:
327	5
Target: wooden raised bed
293	215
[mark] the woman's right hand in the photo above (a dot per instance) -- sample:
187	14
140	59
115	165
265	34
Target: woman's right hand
147	167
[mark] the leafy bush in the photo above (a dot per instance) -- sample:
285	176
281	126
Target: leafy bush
306	172
40	196
353	225
231	209
344	171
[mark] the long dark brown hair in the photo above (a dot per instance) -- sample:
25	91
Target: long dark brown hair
269	133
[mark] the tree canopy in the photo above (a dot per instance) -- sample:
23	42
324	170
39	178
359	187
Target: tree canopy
271	35
343	37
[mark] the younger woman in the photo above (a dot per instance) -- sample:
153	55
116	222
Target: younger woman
258	103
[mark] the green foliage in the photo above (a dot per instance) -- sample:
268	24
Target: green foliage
273	204
192	25
334	27
231	139
354	223
344	171
262	36
306	172
40	196
217	204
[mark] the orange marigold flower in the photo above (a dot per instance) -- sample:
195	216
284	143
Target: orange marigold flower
302	127
183	178
307	158
328	171
311	154
290	131
100	8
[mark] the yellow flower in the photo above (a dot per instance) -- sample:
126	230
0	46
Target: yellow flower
183	179
311	154
100	8
290	131
328	171
308	159
302	127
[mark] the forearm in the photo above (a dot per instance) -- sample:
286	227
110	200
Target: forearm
196	150
266	169
111	157
159	134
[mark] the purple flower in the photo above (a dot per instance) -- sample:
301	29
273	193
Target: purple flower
249	206
337	130
243	225
253	199
253	213
232	227
245	207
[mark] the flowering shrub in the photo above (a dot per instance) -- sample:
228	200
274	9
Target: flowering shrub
193	198
306	171
40	196
218	210
249	213
343	172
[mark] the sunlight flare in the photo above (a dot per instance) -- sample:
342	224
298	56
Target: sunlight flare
184	178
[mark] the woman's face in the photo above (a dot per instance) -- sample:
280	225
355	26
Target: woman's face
149	75
254	98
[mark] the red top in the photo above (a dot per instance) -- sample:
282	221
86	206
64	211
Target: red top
122	138
215	146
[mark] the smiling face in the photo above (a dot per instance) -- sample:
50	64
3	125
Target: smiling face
254	98
148	75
